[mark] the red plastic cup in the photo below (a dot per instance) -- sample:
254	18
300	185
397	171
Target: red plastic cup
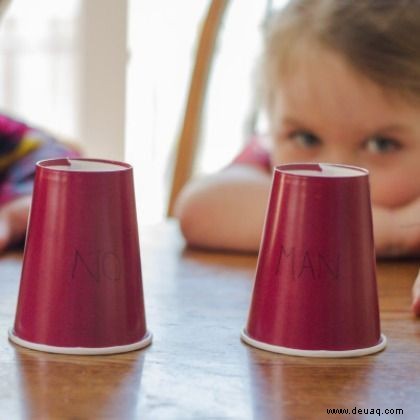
315	290
81	286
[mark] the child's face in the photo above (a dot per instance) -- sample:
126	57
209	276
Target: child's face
324	111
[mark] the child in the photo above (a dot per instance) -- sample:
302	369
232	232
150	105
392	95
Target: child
21	147
341	84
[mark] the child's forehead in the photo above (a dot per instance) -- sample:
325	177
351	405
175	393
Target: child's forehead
314	98
324	79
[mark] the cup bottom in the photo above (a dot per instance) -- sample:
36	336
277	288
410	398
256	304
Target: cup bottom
145	341
314	353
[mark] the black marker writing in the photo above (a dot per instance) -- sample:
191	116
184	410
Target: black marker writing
312	264
97	265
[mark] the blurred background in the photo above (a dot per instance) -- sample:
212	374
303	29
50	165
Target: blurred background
113	76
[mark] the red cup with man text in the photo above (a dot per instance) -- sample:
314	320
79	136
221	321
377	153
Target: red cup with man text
315	291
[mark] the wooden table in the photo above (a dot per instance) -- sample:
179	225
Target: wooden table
197	367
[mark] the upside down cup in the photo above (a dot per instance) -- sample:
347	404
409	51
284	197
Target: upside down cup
81	287
315	291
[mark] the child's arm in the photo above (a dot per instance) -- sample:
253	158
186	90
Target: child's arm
13	221
225	210
397	231
21	147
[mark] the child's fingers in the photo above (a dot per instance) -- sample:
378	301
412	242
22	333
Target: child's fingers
416	296
13	221
15	214
409	226
5	234
397	231
382	227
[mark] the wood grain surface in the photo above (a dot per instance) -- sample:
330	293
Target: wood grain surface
197	367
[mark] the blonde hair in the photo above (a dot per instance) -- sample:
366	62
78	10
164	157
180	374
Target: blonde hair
380	39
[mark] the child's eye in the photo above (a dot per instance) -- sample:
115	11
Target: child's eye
382	145
305	139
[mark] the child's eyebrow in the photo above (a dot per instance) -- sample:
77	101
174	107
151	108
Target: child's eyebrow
292	121
392	128
389	128
372	129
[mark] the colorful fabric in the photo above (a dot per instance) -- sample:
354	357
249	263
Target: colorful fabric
21	146
255	154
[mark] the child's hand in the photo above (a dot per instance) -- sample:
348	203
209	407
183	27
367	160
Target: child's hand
13	221
397	231
416	296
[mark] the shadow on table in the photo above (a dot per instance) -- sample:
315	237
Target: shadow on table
62	386
289	387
